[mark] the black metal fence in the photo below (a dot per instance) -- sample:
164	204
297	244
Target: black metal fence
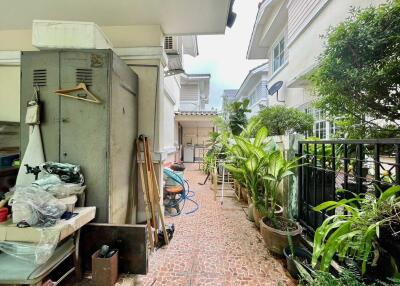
355	165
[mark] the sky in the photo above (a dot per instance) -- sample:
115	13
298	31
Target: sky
224	56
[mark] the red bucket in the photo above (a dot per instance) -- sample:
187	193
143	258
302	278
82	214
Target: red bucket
3	214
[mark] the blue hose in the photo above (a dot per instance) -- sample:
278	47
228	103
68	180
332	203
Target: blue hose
187	194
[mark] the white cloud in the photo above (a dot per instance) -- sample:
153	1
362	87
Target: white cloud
224	56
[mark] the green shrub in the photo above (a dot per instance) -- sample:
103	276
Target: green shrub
358	77
280	120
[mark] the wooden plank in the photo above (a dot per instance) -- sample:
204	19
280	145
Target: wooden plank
150	189
157	196
145	195
130	240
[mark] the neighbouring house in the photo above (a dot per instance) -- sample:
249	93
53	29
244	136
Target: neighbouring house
191	94
174	74
194	128
228	96
194	122
195	91
288	34
137	31
255	89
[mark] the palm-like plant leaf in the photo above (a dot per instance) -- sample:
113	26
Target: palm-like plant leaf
260	137
355	232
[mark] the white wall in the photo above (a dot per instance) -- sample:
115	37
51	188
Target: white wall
170	126
9	93
169	142
196	135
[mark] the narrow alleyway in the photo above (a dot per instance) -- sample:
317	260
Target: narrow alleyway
216	245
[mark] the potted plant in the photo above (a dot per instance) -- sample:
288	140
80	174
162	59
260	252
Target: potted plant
320	278
353	231
294	255
275	229
247	156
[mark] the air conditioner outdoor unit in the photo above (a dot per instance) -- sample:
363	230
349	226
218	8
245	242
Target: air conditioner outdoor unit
171	45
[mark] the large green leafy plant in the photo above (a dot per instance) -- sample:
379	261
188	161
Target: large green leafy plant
216	151
274	171
237	116
358	75
247	157
354	229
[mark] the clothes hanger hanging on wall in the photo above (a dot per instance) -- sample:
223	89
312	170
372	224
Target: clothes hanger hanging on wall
80	87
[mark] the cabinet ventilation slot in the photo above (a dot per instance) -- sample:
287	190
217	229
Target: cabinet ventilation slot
84	75
40	77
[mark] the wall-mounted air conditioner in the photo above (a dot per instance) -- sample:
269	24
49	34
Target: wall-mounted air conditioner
171	45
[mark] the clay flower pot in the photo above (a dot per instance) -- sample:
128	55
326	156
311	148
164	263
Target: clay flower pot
249	199
250	212
257	215
276	240
244	194
302	255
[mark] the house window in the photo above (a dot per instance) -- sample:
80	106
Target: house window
253	98
279	56
335	129
320	129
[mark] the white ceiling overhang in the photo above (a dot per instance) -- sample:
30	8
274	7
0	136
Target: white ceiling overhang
176	17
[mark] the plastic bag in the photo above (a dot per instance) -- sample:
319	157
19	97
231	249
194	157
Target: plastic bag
66	190
61	179
54	185
38	253
36	207
68	173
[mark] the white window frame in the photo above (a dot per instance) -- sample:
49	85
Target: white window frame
282	54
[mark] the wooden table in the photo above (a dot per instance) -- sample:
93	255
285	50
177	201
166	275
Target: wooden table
10	232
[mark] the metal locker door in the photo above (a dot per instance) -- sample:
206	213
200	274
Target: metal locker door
84	125
41	69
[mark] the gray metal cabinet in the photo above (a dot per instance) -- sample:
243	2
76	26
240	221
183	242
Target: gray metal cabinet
98	137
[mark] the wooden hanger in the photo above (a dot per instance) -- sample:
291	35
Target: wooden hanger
81	86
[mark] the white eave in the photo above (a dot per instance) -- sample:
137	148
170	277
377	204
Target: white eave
196	118
266	30
176	17
251	79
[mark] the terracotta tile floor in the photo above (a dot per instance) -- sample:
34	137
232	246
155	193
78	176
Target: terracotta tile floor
216	245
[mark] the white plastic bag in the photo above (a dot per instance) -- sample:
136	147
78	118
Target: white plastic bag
36	207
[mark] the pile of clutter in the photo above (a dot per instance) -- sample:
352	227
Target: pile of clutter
51	197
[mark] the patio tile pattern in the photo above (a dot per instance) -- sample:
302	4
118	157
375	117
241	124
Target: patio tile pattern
216	245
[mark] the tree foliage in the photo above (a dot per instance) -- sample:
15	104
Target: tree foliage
237	116
280	120
358	77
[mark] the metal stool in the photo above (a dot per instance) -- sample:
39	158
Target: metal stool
171	198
